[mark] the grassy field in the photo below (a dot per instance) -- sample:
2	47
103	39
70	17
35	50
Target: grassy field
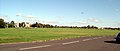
12	35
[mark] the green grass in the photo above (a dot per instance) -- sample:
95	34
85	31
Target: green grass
11	35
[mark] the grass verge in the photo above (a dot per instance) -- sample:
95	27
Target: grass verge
12	35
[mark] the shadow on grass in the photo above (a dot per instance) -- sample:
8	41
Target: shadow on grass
113	42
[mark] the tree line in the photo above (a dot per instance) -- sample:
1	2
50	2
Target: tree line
40	25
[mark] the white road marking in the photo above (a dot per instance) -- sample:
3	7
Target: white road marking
34	47
70	42
95	38
92	38
87	39
100	37
62	44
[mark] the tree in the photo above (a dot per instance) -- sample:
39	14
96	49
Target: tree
2	23
35	24
47	26
22	24
40	25
12	24
88	26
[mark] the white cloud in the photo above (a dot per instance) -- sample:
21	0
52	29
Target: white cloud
93	20
79	23
117	24
4	17
18	14
51	21
24	16
29	16
83	22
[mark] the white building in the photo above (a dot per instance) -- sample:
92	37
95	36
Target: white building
26	25
16	24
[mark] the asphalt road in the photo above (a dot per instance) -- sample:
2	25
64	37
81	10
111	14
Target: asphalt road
104	43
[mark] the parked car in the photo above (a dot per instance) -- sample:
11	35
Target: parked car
118	38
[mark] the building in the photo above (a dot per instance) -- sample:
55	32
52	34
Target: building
16	25
26	24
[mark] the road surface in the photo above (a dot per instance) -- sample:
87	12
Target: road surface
99	43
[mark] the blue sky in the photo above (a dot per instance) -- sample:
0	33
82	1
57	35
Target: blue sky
102	13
